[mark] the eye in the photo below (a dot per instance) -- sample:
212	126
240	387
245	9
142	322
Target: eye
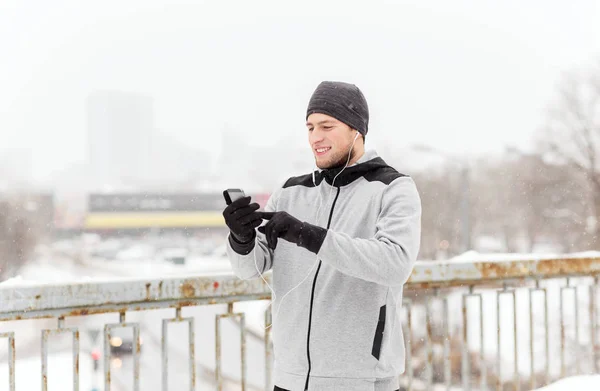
310	129
327	127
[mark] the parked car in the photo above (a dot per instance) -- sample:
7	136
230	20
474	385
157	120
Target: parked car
175	255
121	341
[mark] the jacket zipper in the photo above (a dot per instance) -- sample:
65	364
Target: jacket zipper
312	296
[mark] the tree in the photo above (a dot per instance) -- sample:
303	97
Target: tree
441	195
572	136
495	202
17	239
525	200
520	199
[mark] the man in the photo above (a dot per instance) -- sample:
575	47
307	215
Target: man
338	268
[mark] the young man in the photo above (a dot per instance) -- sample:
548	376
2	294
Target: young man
341	242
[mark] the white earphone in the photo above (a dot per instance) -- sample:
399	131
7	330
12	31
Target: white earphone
316	221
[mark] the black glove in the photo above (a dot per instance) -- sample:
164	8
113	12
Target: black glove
285	226
242	219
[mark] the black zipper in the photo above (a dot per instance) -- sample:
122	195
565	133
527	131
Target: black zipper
312	295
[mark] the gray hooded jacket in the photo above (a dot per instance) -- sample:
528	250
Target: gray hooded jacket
340	328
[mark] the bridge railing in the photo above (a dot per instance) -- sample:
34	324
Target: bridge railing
470	324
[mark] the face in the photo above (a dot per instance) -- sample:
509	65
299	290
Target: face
330	141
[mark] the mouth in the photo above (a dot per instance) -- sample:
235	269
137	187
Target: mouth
322	151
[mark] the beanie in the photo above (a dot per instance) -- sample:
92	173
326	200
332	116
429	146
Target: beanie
342	101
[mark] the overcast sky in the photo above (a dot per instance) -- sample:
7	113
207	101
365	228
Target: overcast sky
458	75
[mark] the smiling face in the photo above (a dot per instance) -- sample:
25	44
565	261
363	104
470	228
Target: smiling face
331	140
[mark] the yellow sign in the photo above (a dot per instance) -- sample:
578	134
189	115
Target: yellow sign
106	220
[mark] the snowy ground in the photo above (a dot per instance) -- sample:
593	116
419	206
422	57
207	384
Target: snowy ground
575	383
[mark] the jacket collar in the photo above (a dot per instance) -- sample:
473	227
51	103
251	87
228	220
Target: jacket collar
368	162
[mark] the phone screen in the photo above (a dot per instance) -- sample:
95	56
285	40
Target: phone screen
231	195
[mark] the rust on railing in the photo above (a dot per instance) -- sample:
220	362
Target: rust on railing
462	272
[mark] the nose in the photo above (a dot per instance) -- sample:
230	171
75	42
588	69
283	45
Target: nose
315	136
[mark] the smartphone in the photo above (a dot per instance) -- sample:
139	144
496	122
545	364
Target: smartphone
231	195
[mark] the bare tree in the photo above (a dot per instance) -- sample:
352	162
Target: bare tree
17	239
572	135
441	196
496	198
519	199
525	200
549	198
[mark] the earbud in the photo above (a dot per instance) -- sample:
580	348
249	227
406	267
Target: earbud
355	137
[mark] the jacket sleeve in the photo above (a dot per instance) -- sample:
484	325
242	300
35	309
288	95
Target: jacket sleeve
387	258
260	257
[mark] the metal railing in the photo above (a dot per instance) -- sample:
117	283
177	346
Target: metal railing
459	330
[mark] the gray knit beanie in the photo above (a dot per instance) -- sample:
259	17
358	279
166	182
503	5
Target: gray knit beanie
342	101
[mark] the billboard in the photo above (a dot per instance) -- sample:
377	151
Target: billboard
158	210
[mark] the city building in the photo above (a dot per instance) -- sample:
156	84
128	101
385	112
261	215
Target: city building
120	128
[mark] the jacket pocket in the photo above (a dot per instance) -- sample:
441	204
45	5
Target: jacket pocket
379	333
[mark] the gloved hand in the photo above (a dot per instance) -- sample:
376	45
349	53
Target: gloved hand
280	225
242	219
285	226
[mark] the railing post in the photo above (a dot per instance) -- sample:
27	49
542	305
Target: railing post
268	350
533	380
408	335
136	350
46	333
218	367
11	358
594	324
516	380
447	362
429	344
191	349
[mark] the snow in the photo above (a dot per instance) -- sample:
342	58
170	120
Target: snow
44	272
474	256
575	383
15	281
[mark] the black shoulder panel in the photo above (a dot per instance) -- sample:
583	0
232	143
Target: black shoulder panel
385	175
303	180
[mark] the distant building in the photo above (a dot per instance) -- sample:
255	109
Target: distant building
120	128
142	211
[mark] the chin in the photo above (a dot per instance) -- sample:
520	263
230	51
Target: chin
324	165
330	162
321	165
